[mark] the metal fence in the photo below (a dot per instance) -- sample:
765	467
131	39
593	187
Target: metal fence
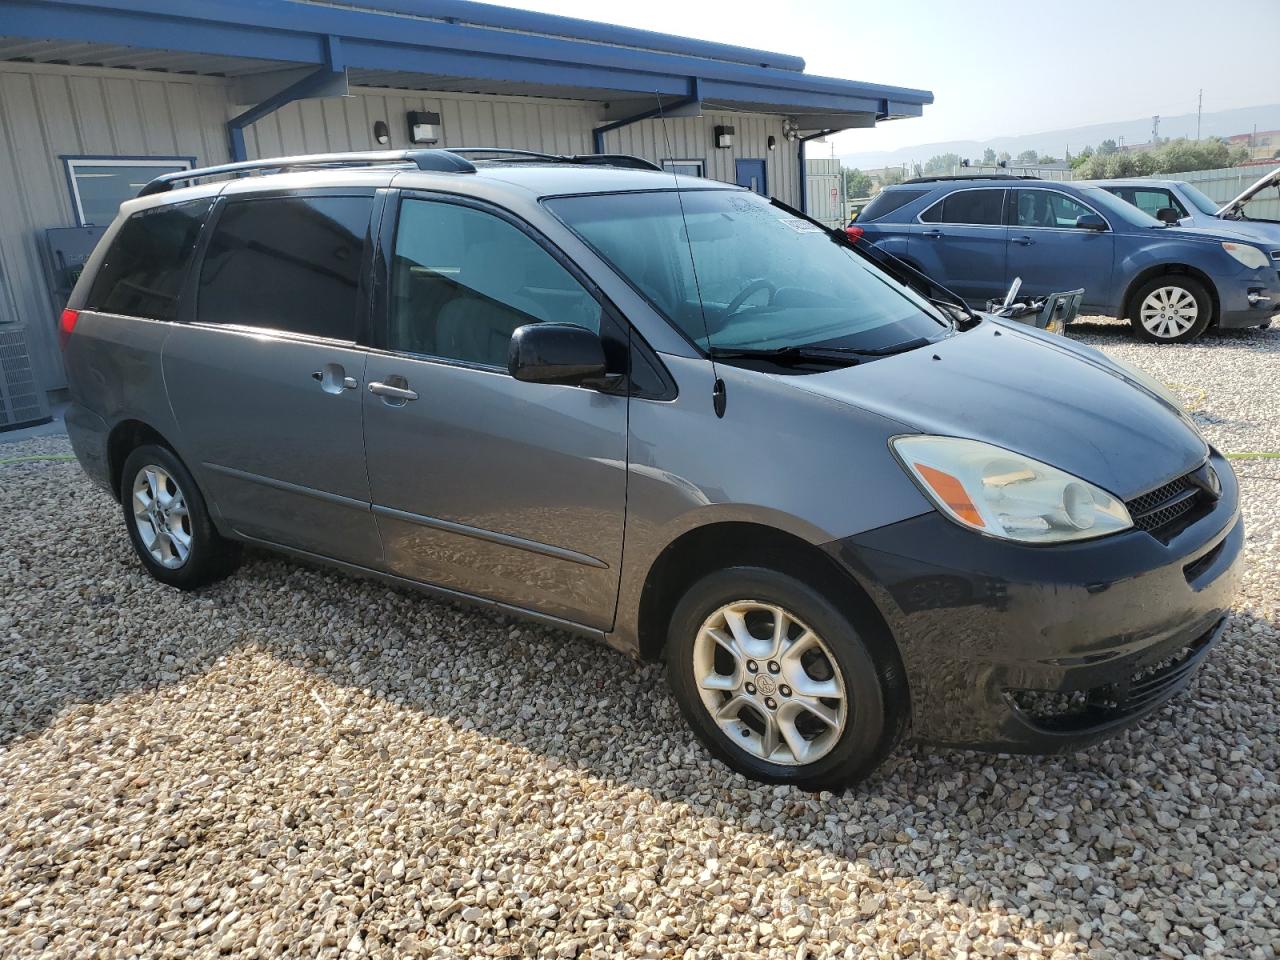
1228	183
824	191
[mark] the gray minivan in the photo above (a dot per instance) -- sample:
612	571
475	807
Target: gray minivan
665	412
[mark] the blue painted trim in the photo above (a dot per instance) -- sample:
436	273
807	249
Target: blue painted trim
695	95
296	91
506	18
295	32
804	174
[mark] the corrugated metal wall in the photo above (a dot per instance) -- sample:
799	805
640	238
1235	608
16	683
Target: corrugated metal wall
693	138
310	126
1223	186
47	112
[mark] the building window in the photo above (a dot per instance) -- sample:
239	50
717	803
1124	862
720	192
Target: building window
100	184
684	168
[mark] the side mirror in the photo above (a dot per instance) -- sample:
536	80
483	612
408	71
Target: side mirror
1168	215
1091	221
555	353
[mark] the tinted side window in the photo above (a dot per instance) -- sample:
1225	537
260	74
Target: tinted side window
1151	201
463	280
887	201
290	263
1044	208
143	271
982	207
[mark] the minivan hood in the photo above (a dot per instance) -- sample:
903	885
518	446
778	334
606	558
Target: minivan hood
1034	393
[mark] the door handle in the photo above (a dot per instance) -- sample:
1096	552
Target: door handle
932	233
333	379
1024	241
390	392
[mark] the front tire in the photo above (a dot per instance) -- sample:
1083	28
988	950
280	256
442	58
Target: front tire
168	522
1170	309
778	684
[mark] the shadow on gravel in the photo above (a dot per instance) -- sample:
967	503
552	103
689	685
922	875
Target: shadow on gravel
80	624
1107	331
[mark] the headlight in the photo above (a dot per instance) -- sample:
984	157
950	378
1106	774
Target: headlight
1007	495
1150	382
1252	257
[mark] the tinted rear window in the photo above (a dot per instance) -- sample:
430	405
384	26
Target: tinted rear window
888	201
290	263
983	207
144	268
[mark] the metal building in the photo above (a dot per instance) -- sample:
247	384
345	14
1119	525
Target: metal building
96	96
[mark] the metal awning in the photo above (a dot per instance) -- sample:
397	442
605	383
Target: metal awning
445	45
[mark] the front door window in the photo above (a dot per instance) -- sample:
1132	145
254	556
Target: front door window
463	280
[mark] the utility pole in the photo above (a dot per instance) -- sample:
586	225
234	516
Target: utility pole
1199	108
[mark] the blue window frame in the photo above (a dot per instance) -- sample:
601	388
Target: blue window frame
99	184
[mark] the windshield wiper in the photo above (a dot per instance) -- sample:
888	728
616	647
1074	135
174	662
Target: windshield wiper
802	354
789	354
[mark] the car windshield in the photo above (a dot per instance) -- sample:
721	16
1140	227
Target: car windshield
733	272
1198	199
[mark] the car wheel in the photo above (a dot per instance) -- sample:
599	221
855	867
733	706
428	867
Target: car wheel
778	684
1170	309
168	521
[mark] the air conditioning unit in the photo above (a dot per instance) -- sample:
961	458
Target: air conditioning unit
22	400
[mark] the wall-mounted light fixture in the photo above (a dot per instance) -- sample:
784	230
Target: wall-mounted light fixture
724	137
424	127
381	132
773	143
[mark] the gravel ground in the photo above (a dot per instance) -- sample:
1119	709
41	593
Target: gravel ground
297	763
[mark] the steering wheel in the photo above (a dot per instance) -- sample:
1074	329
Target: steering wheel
760	283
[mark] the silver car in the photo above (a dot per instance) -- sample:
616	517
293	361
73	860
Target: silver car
667	413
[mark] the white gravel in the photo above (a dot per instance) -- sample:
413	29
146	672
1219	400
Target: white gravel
294	763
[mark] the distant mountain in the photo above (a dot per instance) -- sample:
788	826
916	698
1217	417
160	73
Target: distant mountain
1220	123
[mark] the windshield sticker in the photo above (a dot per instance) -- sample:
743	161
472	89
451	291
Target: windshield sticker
801	226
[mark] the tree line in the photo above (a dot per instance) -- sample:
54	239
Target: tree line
1105	161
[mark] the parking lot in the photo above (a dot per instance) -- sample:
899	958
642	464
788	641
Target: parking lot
297	763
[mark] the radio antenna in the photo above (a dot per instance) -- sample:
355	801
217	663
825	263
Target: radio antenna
717	388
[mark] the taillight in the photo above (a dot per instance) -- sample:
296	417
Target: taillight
65	325
854	233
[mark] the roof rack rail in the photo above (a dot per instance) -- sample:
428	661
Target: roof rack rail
974	176
443	161
587	159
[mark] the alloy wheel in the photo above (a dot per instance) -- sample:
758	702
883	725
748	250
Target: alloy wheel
160	516
770	683
1168	312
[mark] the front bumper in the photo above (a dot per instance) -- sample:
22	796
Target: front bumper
1035	649
1250	300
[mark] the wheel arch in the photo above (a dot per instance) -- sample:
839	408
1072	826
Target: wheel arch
1172	268
125	437
714	546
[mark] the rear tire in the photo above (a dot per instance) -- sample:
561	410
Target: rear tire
168	522
817	703
1172	308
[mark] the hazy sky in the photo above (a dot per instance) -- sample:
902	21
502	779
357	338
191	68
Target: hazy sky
996	67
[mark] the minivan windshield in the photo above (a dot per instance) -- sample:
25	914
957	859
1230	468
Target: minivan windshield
763	279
